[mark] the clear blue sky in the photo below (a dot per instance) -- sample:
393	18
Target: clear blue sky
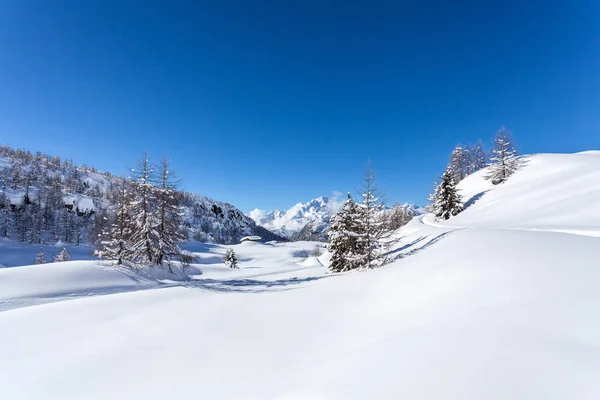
267	103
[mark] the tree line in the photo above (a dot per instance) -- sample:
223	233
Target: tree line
362	232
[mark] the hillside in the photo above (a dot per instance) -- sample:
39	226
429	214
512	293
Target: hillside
556	192
497	303
46	200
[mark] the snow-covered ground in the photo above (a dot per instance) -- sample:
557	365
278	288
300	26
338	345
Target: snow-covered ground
493	304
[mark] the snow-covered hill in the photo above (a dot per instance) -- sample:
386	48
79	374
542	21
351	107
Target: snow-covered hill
557	192
492	304
45	200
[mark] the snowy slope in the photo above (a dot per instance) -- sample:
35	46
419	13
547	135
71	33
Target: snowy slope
475	308
558	192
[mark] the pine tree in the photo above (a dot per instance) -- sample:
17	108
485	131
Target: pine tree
143	211
446	200
62	256
504	160
459	163
40	259
168	233
231	259
478	159
344	234
115	243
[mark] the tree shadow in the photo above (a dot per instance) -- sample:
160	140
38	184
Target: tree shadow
474	199
249	285
426	245
406	246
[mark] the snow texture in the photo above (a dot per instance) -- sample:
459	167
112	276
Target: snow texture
491	304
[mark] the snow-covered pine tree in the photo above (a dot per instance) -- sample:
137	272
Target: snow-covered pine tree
373	225
62	256
459	163
344	233
40	259
478	157
446	199
169	215
231	259
115	243
504	160
143	212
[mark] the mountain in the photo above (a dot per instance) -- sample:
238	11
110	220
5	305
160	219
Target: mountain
309	221
316	214
45	199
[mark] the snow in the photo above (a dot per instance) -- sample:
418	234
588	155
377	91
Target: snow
80	202
556	192
483	306
288	222
13	254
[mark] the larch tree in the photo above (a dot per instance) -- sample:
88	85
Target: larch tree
169	215
478	157
115	241
504	160
459	163
373	228
446	201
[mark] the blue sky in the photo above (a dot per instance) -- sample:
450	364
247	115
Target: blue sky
264	104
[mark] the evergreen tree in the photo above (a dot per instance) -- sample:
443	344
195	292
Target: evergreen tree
168	232
231	259
446	200
504	160
115	243
62	256
459	163
143	212
373	230
478	159
344	234
40	259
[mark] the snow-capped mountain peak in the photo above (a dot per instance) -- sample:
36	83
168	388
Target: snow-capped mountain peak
317	211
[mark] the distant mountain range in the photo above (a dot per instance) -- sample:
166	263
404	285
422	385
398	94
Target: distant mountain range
316	213
306	221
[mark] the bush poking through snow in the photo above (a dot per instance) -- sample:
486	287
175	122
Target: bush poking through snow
231	259
39	259
317	251
62	256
